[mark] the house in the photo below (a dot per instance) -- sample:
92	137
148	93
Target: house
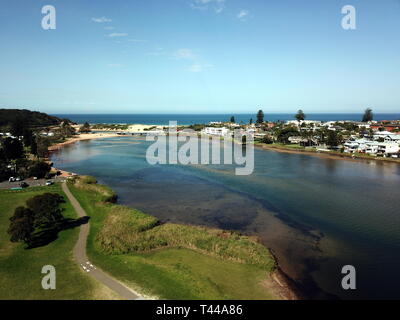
386	125
216	131
385	149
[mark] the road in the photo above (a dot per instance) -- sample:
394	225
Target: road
81	257
30	182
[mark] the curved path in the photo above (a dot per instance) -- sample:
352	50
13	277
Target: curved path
81	257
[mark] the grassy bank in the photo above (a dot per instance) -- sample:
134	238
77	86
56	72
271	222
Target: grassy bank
172	261
20	269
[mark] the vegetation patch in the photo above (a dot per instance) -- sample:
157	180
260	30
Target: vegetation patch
171	261
20	268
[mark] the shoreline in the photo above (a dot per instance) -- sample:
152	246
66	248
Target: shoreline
280	283
82	137
326	155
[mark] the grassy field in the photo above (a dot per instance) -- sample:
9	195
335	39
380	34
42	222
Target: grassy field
20	269
172	261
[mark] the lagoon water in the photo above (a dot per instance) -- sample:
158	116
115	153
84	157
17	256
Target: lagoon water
316	214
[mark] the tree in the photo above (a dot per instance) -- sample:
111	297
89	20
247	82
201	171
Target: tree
21	225
85	128
42	146
46	209
28	137
13	149
17	127
260	116
251	121
66	130
284	134
300	116
39	169
368	115
267	140
333	139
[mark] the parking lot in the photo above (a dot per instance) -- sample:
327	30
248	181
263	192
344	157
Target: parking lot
30	181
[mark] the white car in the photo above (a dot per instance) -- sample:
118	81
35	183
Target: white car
49	183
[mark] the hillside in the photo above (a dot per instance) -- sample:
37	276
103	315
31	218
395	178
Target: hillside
28	118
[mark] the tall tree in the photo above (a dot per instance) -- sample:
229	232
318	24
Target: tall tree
28	137
17	127
251	121
368	115
300	116
13	149
85	128
42	145
260	116
21	225
232	119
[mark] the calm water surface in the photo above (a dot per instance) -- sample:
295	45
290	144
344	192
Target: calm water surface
316	214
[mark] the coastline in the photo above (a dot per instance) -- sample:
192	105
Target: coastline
82	137
326	155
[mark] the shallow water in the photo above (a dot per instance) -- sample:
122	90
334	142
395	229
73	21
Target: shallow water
316	214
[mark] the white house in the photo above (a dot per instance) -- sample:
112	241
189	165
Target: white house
216	131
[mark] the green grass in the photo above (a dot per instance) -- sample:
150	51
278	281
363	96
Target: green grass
172	261
20	269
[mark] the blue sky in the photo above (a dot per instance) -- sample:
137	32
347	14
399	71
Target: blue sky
200	56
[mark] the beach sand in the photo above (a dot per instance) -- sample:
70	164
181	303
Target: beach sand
81	137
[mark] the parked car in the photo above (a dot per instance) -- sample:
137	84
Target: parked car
18	179
11	179
49	183
24	185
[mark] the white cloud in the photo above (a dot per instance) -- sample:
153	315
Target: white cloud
101	20
217	5
243	14
116	34
186	54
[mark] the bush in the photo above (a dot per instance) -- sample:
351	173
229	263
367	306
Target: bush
267	140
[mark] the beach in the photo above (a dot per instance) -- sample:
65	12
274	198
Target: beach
82	137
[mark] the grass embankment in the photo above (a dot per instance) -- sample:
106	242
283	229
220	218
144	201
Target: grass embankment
171	261
20	269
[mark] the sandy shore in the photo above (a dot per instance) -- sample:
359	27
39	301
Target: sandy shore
81	137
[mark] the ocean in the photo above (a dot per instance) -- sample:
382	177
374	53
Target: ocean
187	119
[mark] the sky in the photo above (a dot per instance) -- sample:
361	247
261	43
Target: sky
200	56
